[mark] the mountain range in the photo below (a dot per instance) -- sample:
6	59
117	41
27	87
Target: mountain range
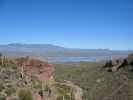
49	50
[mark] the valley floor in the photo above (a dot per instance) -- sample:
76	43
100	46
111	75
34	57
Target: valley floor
97	83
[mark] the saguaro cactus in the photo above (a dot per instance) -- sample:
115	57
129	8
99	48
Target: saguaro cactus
2	61
71	93
22	72
43	86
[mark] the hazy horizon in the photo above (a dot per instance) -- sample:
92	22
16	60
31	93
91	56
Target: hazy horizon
62	46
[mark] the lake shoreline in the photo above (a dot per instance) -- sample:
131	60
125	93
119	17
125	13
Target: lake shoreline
113	56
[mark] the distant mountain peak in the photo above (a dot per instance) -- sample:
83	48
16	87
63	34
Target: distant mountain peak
50	49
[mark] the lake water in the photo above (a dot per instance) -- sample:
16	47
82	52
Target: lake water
77	59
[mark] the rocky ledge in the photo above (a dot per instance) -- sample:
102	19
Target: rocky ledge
37	68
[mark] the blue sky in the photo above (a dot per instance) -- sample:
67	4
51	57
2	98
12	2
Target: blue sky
69	23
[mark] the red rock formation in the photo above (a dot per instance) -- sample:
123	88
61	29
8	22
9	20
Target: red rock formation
40	69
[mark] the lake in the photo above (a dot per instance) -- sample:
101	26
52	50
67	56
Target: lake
77	59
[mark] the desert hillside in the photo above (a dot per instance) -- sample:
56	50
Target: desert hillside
100	81
30	79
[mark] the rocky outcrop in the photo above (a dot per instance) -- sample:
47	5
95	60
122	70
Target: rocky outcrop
112	63
39	69
115	64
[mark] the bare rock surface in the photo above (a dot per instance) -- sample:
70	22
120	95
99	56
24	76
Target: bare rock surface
37	68
116	64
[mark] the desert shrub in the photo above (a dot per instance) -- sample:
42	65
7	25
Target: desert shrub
60	98
48	88
27	57
3	98
25	95
45	87
62	93
10	90
14	66
7	73
1	85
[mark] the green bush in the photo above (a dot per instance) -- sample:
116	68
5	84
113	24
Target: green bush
3	98
14	66
25	95
60	98
48	88
10	91
1	85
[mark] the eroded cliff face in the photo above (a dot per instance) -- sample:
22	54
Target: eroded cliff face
39	69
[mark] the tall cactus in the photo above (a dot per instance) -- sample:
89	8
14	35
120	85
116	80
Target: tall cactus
8	60
2	61
43	89
63	97
50	85
27	77
71	93
22	72
24	68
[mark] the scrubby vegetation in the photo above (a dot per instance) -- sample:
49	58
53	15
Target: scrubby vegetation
10	90
14	66
62	69
3	98
1	85
99	84
25	95
16	83
64	92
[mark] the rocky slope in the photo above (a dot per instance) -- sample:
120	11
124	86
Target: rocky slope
40	69
32	78
99	84
118	63
12	82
